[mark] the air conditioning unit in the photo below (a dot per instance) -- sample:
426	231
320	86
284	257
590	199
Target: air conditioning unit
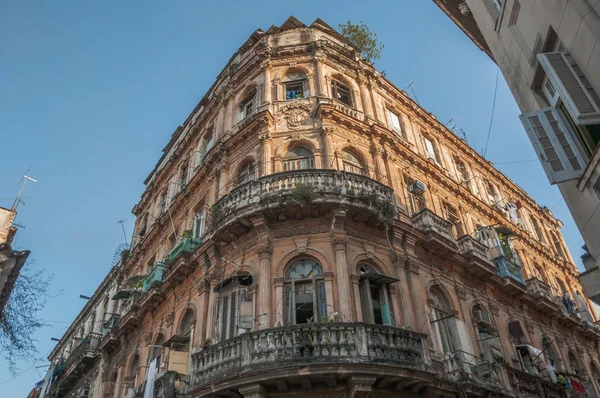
482	317
416	187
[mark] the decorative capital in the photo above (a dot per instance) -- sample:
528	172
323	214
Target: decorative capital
412	266
495	309
328	276
355	279
265	251
461	292
203	286
278	281
170	319
339	244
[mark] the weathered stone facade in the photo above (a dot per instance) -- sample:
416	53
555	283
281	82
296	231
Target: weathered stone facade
310	230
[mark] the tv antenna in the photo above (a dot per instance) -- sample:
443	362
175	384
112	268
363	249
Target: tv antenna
122	222
23	181
410	86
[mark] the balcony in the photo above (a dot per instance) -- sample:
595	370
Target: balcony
308	354
438	232
543	300
524	384
502	253
300	194
476	256
130	317
152	289
183	248
79	361
169	384
472	372
110	341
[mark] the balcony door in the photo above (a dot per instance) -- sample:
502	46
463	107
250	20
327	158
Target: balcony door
305	292
298	158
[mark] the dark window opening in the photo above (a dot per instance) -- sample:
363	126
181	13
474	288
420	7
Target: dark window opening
341	92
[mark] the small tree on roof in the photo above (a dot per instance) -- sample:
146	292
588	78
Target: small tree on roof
362	38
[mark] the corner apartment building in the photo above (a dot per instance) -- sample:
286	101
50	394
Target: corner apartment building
549	54
310	229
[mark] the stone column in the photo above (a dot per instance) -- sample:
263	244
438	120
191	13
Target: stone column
253	391
328	150
328	278
343	278
320	78
380	171
416	288
264	287
318	154
365	97
266	155
279	301
204	292
267	84
278	89
311	84
355	280
211	318
229	114
393	301
406	315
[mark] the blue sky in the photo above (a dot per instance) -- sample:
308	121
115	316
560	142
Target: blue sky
90	92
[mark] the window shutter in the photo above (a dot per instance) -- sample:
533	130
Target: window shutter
305	89
572	90
553	143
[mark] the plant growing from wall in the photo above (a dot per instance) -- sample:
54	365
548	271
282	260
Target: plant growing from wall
303	193
188	233
363	39
384	208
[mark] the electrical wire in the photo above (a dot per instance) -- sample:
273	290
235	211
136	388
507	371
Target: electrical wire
517	161
492	115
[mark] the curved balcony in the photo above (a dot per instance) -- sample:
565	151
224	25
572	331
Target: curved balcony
297	356
302	193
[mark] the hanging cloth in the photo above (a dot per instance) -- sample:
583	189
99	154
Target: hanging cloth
149	391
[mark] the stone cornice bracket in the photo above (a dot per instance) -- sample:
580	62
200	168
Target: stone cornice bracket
355	279
412	266
264	252
338	219
339	243
359	386
203	286
262	228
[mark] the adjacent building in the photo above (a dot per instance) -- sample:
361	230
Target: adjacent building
11	261
310	229
549	54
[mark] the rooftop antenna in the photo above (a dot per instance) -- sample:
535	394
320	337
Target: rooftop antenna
413	91
122	222
23	180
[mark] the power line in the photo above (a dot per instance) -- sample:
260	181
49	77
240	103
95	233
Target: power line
518	161
492	115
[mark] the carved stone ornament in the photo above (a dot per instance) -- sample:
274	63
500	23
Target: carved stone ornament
370	250
170	319
264	252
494	308
147	338
296	114
461	292
339	244
529	326
301	245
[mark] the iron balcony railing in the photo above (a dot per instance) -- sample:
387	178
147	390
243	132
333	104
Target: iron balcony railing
501	252
460	366
155	277
302	344
185	245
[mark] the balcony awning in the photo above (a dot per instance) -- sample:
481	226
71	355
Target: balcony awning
504	230
243	278
378	279
176	339
122	294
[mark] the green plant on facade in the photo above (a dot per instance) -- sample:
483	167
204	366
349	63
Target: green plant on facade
384	208
506	247
188	233
304	193
363	39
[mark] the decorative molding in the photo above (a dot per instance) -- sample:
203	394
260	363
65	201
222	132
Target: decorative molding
461	292
264	252
170	319
301	245
370	250
339	243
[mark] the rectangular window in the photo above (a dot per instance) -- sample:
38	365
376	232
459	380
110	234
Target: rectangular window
394	121
248	105
294	90
198	225
341	92
430	150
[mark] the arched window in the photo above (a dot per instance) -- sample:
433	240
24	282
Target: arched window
551	353
157	349
341	92
374	295
199	222
296	86
209	140
451	214
247	173
443	321
298	158
235	310
305	292
187	323
133	372
463	172
557	245
161	204
516	333
351	163
576	367
183	174
248	105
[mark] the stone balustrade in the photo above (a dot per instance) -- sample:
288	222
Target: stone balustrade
301	345
428	221
524	384
469	245
539	289
292	185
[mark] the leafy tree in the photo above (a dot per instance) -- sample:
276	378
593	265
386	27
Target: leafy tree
21	317
362	38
